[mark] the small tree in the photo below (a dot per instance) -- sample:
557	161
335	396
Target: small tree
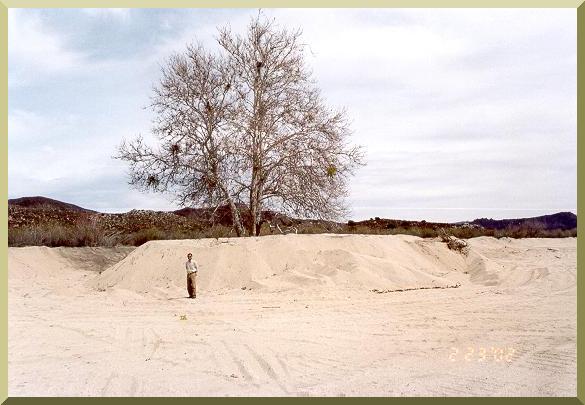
246	127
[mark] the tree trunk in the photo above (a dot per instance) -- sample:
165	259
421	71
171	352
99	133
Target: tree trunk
236	219
253	206
258	217
256	188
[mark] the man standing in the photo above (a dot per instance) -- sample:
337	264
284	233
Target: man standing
191	268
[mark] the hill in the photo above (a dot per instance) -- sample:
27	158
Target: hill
45	203
561	220
45	221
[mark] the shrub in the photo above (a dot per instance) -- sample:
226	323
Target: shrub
216	231
145	235
91	233
313	229
86	233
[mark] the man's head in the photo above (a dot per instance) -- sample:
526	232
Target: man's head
189	256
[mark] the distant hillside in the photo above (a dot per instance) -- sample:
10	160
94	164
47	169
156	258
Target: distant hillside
45	221
45	203
561	220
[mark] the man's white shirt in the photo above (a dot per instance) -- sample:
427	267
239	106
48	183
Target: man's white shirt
191	267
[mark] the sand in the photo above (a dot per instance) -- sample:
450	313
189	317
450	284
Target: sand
295	315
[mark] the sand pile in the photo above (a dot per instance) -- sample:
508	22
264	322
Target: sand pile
297	262
36	263
313	337
287	262
515	263
43	270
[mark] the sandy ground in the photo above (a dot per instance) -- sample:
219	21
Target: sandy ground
89	322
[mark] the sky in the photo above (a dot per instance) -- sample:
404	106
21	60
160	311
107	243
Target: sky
462	113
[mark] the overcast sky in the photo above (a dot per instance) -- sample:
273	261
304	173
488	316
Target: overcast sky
463	113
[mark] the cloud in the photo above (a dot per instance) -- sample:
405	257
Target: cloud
459	110
64	154
199	26
34	48
41	51
122	14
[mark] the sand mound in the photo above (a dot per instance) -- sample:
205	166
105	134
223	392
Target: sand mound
45	263
287	262
522	262
35	262
43	270
299	263
315	339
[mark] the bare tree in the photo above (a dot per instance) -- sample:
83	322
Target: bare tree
247	127
296	148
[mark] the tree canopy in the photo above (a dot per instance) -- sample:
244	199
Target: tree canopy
248	127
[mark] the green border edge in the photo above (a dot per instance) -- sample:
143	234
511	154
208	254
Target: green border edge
580	199
5	4
4	201
292	3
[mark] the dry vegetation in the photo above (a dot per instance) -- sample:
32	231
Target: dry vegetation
95	233
84	235
53	223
